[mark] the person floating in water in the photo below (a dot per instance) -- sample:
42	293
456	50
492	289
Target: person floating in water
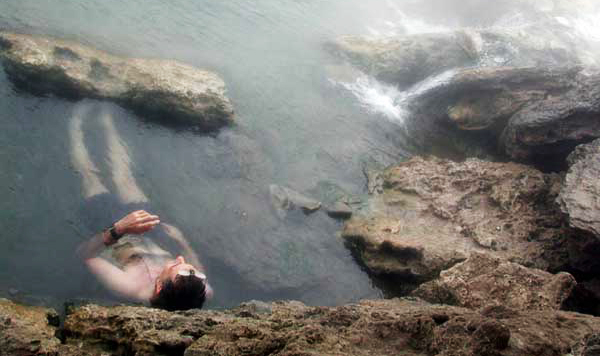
148	273
130	265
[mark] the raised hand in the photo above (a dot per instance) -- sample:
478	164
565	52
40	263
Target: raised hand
136	223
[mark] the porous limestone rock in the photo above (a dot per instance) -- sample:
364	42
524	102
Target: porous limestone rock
167	90
579	197
26	330
435	213
377	327
483	281
382	327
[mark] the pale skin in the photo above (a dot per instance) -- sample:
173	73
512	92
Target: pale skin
139	281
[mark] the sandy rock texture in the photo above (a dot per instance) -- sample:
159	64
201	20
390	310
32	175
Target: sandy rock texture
27	330
483	281
435	213
384	327
579	197
166	90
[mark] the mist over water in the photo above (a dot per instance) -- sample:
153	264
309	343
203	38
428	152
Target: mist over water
304	121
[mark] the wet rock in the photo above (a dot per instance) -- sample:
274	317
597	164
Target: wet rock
435	213
285	199
25	330
483	280
406	60
579	197
468	110
380	327
551	128
166	90
587	346
339	210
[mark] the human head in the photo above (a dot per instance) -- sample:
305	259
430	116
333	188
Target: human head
180	286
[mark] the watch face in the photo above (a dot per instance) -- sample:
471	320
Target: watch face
113	233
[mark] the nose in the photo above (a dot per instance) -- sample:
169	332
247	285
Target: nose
180	259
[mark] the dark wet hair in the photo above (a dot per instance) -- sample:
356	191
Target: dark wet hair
187	292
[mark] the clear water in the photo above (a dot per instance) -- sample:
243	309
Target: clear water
303	121
295	128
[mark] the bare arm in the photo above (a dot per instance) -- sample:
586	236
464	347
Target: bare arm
122	282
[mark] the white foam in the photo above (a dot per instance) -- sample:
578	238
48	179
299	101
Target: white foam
387	100
376	97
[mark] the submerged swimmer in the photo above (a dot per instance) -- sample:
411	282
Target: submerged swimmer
138	269
147	273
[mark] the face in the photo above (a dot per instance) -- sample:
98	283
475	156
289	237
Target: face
178	266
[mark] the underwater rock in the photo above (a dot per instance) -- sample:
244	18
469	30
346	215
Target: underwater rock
285	199
549	129
339	210
406	60
483	281
579	197
165	90
26	330
379	327
435	213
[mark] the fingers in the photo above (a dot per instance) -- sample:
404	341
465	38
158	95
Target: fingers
142	219
145	227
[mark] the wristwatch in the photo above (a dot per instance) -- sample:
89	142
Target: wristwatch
113	232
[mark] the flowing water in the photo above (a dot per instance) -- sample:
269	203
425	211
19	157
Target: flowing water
302	122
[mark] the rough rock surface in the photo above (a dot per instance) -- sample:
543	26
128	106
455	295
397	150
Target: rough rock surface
529	114
26	330
167	90
434	213
555	125
483	281
384	327
579	198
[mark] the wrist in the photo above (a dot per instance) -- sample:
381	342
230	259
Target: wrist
118	229
107	239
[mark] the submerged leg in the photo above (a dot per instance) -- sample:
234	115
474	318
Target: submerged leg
120	163
80	156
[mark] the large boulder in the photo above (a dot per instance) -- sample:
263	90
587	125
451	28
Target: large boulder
406	60
579	197
483	281
27	331
435	213
529	114
167	90
551	128
381	327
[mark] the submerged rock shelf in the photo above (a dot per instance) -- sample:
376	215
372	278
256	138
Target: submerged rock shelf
165	90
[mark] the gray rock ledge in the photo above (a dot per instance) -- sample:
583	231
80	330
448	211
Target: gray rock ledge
165	90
